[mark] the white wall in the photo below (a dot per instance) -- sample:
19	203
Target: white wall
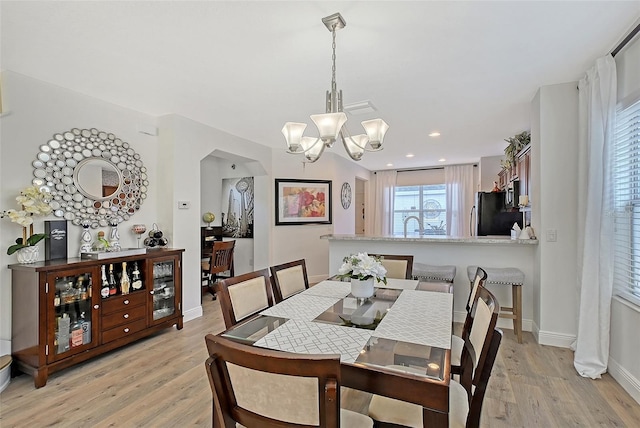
296	242
555	184
35	111
624	364
489	167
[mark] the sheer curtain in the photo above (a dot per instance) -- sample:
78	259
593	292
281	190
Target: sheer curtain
459	186
597	103
384	186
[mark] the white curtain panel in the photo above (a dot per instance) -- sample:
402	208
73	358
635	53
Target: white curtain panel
459	186
597	106
384	192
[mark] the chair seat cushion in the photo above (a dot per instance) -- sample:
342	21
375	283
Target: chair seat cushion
434	272
385	409
438	287
348	419
498	275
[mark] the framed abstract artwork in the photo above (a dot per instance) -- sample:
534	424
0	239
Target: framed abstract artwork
302	202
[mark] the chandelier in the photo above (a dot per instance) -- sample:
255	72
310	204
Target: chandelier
331	125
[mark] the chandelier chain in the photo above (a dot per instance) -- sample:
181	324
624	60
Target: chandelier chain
333	59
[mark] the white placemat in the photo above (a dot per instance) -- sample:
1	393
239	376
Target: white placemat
422	317
301	307
303	337
398	284
328	288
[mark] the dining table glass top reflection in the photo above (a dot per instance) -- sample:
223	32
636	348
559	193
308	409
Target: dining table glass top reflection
360	313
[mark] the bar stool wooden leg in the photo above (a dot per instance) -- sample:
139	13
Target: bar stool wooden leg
516	291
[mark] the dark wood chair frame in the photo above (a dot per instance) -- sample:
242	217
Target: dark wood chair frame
222	289
275	282
221	260
408	258
326	368
468	321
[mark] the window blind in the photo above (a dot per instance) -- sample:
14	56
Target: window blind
626	199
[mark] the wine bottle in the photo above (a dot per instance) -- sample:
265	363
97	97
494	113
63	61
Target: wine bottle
124	279
76	331
104	290
113	286
86	329
136	280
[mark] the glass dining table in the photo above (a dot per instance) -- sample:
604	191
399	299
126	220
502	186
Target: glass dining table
395	343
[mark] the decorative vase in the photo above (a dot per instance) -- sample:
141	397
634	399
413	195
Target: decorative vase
28	254
362	288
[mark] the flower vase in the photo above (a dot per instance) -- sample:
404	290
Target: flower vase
28	254
362	288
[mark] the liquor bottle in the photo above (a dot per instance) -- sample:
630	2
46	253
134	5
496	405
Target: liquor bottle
124	279
136	280
86	329
63	333
104	290
113	286
82	288
75	331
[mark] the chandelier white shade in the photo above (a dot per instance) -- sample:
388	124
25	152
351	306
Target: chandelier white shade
331	124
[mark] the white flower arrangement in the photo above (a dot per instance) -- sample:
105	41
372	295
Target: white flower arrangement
362	266
33	201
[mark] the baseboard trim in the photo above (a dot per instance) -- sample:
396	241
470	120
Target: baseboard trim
628	382
559	340
192	314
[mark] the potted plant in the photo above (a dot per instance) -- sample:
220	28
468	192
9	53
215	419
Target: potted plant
32	201
362	269
516	143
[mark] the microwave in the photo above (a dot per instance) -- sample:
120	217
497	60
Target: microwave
512	194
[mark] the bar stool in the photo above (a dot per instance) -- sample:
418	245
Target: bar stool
434	277
506	276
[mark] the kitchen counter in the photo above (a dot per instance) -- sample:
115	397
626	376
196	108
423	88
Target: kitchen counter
485	251
475	240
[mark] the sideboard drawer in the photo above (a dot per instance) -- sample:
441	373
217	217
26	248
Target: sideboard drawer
117	303
123	330
124	316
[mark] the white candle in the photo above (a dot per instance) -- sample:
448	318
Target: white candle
523	201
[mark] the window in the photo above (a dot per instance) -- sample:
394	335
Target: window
427	202
626	199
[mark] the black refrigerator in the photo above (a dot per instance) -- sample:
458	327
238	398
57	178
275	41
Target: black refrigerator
493	216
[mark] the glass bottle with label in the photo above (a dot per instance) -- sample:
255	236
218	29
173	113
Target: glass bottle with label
104	289
113	286
136	280
124	279
86	329
83	289
75	331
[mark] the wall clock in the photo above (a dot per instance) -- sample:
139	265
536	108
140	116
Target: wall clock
345	195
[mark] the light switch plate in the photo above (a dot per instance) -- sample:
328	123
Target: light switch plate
552	235
183	205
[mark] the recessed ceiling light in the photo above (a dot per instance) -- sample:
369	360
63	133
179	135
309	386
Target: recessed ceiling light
389	164
434	134
441	160
410	155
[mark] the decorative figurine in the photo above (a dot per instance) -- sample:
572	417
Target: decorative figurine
114	237
85	241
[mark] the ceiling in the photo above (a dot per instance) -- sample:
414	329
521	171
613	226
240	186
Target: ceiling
465	69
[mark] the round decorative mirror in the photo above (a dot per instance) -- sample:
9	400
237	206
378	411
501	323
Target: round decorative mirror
93	177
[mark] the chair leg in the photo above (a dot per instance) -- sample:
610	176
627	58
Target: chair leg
516	291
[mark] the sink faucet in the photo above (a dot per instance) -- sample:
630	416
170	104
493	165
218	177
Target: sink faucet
406	220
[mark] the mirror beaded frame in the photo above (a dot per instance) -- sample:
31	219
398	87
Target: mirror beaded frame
56	171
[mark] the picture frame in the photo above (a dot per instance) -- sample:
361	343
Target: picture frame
300	202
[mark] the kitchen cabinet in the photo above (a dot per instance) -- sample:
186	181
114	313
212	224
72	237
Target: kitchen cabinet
62	314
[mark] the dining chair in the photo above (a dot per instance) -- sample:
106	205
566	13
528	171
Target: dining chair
397	266
258	387
457	342
466	396
244	295
220	261
288	279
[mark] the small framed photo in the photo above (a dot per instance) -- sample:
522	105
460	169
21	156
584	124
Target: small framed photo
303	202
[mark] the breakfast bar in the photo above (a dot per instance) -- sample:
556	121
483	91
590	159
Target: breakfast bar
491	251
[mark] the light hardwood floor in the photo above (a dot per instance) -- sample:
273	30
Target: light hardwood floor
161	382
